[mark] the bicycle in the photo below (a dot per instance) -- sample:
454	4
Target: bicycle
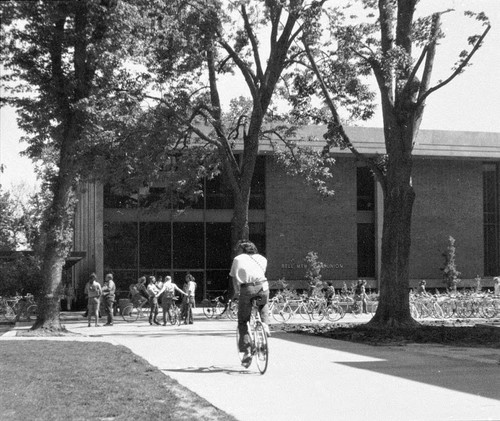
258	338
131	312
277	309
174	313
215	308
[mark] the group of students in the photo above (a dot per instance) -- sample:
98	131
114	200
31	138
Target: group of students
94	291
159	292
149	289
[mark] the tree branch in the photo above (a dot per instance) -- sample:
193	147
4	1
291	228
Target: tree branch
459	69
253	41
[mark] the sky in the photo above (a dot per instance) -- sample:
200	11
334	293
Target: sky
471	102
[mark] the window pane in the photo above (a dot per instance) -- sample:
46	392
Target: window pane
218	245
366	250
155	245
365	186
120	245
258	235
188	245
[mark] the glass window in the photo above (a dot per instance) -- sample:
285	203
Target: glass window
218	281
258	235
155	245
365	187
188	245
120	245
366	250
491	219
218	245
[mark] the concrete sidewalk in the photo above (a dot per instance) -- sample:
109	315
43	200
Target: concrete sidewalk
315	378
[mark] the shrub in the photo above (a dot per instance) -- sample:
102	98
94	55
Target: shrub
20	276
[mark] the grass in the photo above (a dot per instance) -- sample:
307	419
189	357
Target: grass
49	380
457	334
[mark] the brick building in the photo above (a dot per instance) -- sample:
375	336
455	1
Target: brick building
457	183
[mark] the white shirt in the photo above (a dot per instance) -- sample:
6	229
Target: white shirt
249	268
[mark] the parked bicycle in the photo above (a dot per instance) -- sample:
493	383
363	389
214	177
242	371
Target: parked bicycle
258	338
218	308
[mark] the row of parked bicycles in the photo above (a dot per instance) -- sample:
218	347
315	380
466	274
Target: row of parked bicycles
18	308
477	305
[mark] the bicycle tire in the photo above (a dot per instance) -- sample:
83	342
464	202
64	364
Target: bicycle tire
232	310
261	347
130	313
438	312
488	309
318	312
209	311
334	312
279	313
304	312
32	312
9	314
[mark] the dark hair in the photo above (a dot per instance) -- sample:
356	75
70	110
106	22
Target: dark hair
247	247
93	277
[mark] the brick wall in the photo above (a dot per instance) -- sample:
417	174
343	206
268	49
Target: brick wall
449	202
298	220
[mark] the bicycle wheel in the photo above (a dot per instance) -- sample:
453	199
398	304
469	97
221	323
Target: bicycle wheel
9	314
304	312
130	313
145	310
437	311
209	311
32	312
414	311
319	312
232	310
334	312
261	347
279	313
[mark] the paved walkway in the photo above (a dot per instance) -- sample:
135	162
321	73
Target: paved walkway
316	378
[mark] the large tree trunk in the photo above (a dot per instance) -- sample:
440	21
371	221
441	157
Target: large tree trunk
399	196
57	233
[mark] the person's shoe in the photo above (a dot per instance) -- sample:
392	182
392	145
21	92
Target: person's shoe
156	322
151	323
246	360
266	329
89	324
108	324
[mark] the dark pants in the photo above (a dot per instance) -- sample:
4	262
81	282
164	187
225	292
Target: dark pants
245	311
166	304
109	300
187	311
153	302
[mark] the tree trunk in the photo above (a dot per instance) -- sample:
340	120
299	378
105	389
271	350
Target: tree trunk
57	233
399	196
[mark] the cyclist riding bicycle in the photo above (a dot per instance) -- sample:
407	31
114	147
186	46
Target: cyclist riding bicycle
249	280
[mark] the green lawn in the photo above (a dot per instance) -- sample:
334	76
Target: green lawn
49	380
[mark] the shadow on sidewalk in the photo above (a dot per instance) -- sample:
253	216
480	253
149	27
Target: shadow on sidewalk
442	370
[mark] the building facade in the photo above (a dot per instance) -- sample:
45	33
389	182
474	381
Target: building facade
456	178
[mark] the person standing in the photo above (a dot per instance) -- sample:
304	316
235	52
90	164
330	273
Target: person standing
167	298
189	301
360	293
93	291
248	272
109	292
153	293
496	286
